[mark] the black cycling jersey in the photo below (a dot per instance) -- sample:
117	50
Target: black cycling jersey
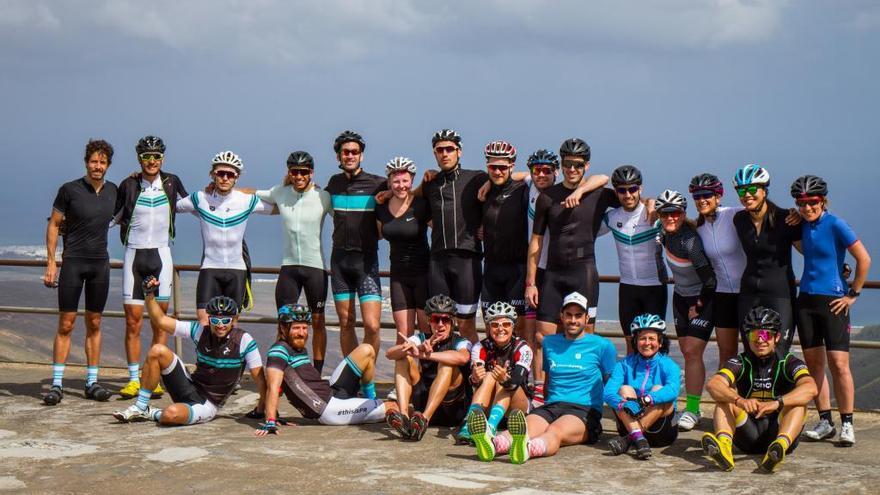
87	217
455	210
572	231
407	236
305	388
768	254
354	219
691	268
763	379
506	222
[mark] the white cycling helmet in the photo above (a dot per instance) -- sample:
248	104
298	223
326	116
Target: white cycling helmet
499	309
227	158
670	200
400	164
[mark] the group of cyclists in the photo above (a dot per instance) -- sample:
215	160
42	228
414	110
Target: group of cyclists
519	246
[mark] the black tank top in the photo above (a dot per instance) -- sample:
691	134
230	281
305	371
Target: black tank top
407	235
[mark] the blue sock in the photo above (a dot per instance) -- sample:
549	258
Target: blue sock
134	372
143	399
496	414
57	374
91	375
157	413
636	435
369	390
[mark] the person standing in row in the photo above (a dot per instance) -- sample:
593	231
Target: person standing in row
85	206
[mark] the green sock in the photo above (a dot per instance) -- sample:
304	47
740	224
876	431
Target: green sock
693	403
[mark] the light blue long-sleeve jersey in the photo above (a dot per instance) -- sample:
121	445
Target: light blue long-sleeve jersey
642	375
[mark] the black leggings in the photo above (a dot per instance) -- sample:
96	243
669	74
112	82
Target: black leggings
77	273
220	282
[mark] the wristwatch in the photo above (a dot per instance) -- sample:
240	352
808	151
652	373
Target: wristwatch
852	293
780	401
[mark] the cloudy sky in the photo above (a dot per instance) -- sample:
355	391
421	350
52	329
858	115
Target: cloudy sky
674	86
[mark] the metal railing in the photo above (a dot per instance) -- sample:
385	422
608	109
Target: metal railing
176	299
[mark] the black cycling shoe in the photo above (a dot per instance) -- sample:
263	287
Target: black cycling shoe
620	445
98	393
643	450
53	396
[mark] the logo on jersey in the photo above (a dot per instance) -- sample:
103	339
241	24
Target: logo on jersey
577	355
619	224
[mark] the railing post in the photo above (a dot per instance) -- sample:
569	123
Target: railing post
175	294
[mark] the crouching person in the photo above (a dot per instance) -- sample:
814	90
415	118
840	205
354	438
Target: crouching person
643	389
430	372
761	397
223	352
290	370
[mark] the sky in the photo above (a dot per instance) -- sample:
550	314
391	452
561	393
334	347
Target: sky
676	87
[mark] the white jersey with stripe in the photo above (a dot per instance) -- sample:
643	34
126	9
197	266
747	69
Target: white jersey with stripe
223	220
150	218
723	249
534	192
639	255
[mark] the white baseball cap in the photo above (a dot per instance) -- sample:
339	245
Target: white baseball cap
575	298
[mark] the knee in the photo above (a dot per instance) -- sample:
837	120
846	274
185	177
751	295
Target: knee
839	366
175	414
157	350
65	327
366	350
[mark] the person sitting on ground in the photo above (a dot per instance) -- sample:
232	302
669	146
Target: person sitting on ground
223	352
430	371
333	402
761	398
500	366
643	389
576	364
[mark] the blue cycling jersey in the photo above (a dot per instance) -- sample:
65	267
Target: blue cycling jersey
642	375
576	369
824	244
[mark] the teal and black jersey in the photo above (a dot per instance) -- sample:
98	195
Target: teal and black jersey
305	389
354	221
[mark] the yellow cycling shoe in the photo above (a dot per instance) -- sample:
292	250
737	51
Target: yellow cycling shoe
158	391
721	452
130	390
774	456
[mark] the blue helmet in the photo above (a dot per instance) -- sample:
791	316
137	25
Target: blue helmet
648	321
290	313
752	174
543	157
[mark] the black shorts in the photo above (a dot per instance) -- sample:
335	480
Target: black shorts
354	273
459	275
345	382
180	387
504	282
756	434
220	282
817	326
783	305
725	311
700	327
452	410
409	291
293	279
661	434
634	300
141	263
591	418
78	272
561	281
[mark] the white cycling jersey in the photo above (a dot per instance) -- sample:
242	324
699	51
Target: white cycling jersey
150	218
639	256
534	192
723	249
223	220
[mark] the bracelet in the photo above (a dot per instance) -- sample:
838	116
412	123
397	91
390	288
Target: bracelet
735	401
270	420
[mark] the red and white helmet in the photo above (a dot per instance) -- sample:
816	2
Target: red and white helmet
501	149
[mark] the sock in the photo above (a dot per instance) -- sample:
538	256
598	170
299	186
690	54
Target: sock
157	413
725	436
134	372
57	374
91	375
636	435
826	415
143	399
495	416
537	448
783	438
502	443
319	365
693	403
846	418
464	431
369	390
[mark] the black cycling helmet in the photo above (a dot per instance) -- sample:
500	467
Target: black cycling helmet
446	135
290	313
543	157
575	147
348	137
626	174
706	182
761	318
300	159
222	306
809	185
440	304
150	144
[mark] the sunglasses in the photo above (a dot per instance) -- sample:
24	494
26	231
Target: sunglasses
438	319
542	170
577	165
808	202
751	190
350	152
218	320
225	174
506	324
445	149
698	195
150	156
498	168
761	335
671	214
299	172
627	189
